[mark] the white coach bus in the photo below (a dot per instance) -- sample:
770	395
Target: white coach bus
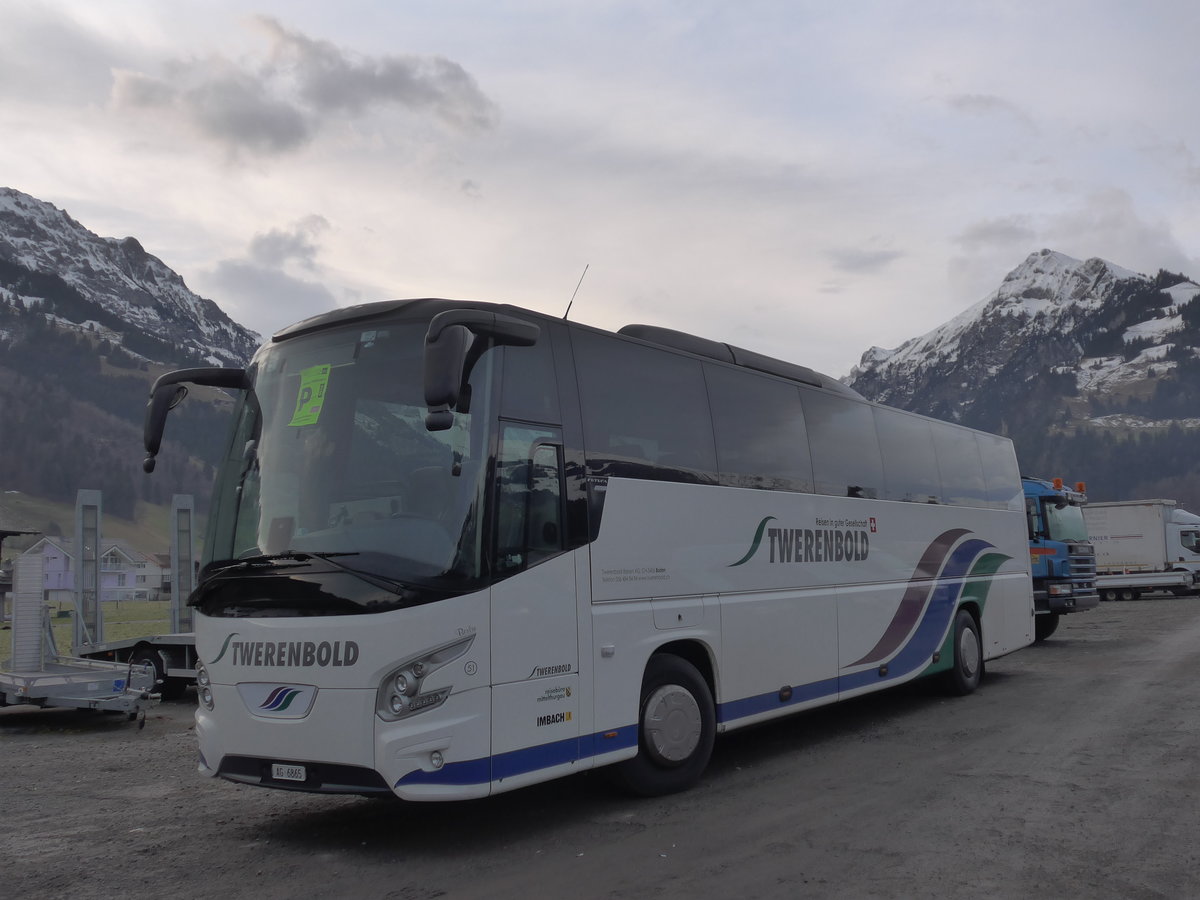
457	548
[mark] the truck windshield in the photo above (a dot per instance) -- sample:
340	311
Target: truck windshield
330	455
1065	524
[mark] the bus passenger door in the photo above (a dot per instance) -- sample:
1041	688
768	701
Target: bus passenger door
535	648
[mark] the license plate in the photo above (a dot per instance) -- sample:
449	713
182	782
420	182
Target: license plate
281	772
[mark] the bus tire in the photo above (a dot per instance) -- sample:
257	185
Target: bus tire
1045	625
677	724
964	676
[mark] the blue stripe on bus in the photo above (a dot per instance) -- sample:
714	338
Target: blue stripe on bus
528	759
751	706
915	655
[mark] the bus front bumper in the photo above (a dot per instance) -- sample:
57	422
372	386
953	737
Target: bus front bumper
341	746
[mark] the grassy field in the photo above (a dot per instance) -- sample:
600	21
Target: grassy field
121	620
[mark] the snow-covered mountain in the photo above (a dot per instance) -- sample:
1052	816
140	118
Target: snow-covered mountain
1084	363
86	323
1108	328
43	250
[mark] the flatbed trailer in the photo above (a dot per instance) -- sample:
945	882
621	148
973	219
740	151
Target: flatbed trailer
39	675
73	682
172	657
1131	585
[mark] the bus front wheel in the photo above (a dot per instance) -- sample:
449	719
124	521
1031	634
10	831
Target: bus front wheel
1045	625
677	724
968	654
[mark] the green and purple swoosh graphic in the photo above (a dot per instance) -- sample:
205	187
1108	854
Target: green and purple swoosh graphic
920	586
930	602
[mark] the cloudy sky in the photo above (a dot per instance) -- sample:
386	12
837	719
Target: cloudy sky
804	179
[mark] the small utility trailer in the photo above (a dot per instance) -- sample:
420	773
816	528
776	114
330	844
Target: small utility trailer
37	674
172	656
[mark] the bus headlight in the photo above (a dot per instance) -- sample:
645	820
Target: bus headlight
400	694
204	686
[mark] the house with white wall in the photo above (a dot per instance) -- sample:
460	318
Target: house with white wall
125	573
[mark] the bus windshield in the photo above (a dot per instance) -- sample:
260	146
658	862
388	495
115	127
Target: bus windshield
1066	524
330	455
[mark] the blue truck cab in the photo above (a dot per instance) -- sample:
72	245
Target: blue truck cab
1061	555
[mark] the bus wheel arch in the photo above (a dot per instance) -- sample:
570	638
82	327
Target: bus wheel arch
967	641
1045	625
676	724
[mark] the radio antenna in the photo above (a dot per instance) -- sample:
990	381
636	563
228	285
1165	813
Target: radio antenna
576	291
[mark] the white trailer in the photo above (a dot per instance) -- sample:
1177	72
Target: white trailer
1143	545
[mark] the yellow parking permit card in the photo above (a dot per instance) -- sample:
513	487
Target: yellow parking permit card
313	382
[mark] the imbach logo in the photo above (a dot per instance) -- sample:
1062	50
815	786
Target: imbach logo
803	545
303	654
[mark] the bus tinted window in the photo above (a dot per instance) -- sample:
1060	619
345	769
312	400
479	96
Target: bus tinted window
960	466
759	425
845	449
530	389
645	411
1000	472
909	466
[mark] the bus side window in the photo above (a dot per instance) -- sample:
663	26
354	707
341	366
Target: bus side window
960	465
544	526
645	411
759	427
528	498
845	447
1000	473
909	468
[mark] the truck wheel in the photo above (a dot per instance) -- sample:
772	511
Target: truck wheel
677	724
964	677
1044	626
1128	594
167	688
1111	595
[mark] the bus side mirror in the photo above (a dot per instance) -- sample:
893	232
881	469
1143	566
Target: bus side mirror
445	357
168	392
454	342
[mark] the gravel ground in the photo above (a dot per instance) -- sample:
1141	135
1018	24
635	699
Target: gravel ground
1070	773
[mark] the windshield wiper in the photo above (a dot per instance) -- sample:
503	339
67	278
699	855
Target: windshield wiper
239	566
387	584
303	557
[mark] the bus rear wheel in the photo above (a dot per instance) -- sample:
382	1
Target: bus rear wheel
968	654
677	725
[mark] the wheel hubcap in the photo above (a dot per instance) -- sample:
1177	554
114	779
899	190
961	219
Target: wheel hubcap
672	724
968	652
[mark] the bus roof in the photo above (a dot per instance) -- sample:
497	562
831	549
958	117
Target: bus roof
663	337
